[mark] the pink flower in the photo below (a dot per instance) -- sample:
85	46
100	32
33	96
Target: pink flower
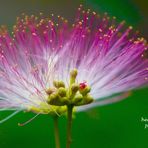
109	57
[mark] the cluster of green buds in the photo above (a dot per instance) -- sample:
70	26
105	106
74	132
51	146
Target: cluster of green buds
76	94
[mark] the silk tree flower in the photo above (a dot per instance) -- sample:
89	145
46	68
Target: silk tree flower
46	60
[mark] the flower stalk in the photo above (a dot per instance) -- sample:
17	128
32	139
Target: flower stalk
69	125
56	132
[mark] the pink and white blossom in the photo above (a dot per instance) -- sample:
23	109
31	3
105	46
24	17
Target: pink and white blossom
109	57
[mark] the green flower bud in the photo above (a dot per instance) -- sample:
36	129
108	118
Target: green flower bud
85	91
75	94
58	84
61	110
78	98
73	75
53	99
49	91
88	99
74	88
62	92
64	101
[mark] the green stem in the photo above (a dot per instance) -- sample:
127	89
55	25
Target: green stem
56	132
69	125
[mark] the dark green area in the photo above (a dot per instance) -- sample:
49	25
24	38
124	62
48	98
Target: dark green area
113	126
123	10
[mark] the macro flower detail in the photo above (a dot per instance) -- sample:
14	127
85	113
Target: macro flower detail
46	57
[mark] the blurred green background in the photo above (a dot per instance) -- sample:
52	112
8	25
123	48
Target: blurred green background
113	126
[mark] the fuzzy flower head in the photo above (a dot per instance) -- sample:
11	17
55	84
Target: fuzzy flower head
46	62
